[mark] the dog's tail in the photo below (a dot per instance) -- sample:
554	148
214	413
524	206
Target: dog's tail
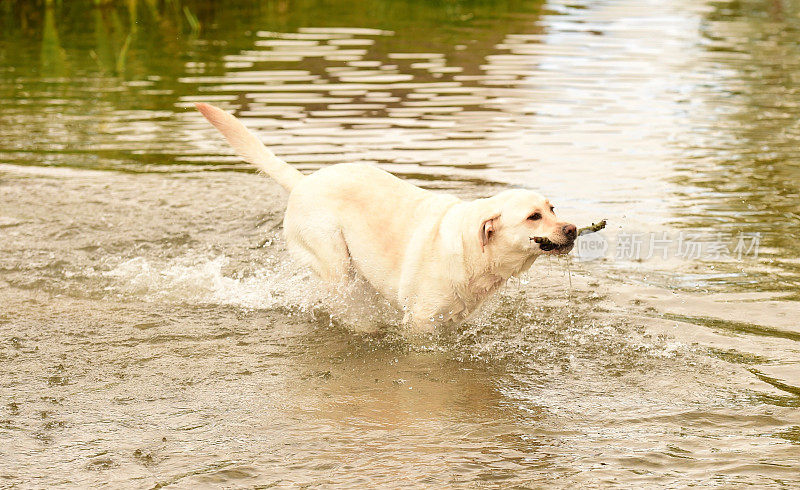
249	147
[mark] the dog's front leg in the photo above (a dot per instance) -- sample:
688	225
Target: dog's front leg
418	322
427	311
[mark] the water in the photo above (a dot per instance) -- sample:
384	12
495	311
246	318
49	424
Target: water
148	340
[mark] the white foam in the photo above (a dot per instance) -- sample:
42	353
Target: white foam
202	280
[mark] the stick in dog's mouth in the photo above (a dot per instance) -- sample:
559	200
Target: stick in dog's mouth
591	229
547	245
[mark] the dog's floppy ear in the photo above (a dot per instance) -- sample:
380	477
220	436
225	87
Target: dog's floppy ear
486	231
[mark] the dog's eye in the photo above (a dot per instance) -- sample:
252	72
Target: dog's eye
552	209
535	216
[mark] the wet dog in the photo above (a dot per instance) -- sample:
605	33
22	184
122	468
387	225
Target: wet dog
434	256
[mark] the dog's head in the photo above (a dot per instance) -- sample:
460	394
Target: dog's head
514	220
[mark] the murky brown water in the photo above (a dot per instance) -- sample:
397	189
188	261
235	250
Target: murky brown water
146	340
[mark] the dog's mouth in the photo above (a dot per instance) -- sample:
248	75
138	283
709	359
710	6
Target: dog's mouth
552	246
549	246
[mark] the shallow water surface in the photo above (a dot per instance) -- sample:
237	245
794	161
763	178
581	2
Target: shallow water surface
155	332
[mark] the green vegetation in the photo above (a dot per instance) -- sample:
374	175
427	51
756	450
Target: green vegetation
115	25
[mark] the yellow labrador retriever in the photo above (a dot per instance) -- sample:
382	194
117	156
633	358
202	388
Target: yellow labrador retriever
435	257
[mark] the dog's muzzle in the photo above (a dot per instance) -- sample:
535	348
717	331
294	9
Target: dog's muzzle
546	245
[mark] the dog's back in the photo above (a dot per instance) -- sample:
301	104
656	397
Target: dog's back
374	212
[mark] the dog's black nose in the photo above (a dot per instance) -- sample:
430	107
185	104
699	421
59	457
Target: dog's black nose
570	231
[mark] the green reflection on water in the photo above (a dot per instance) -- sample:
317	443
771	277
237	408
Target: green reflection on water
102	58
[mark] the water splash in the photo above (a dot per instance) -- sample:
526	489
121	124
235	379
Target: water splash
206	280
202	280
